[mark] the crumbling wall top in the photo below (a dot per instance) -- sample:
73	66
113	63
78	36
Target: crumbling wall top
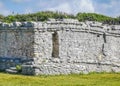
64	24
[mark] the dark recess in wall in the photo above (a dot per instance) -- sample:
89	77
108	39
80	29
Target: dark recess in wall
55	40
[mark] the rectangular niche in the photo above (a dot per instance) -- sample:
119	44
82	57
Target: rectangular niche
55	43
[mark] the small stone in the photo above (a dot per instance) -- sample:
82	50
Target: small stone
17	24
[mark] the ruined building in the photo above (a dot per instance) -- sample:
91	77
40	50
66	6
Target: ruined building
60	46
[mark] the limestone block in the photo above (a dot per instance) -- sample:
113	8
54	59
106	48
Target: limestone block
115	69
5	25
28	70
17	24
56	60
95	24
51	19
29	24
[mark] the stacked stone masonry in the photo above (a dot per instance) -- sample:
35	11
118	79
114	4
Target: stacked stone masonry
60	46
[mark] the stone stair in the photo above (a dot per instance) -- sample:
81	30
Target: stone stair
12	70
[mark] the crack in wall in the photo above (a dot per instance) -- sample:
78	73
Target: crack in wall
103	45
103	49
102	54
104	37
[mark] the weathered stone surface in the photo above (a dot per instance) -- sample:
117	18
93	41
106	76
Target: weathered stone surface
28	70
61	46
12	70
17	24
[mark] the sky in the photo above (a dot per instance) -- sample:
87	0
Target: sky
106	7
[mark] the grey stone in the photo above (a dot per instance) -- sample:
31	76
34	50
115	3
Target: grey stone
11	71
5	25
61	46
17	24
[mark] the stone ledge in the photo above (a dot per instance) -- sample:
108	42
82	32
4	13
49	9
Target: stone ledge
56	69
65	24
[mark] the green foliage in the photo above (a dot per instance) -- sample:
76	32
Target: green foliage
1	17
104	79
92	17
18	68
44	15
9	19
39	16
97	17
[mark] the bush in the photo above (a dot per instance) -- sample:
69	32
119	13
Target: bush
19	68
44	15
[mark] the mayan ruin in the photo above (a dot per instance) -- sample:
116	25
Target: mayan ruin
60	46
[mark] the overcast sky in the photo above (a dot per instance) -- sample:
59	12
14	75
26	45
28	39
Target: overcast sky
106	7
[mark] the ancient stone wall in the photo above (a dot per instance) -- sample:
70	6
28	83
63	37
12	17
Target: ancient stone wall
15	44
42	46
62	46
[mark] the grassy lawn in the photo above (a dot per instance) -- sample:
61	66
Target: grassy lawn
103	79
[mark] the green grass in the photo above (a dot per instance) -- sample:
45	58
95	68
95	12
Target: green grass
93	79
